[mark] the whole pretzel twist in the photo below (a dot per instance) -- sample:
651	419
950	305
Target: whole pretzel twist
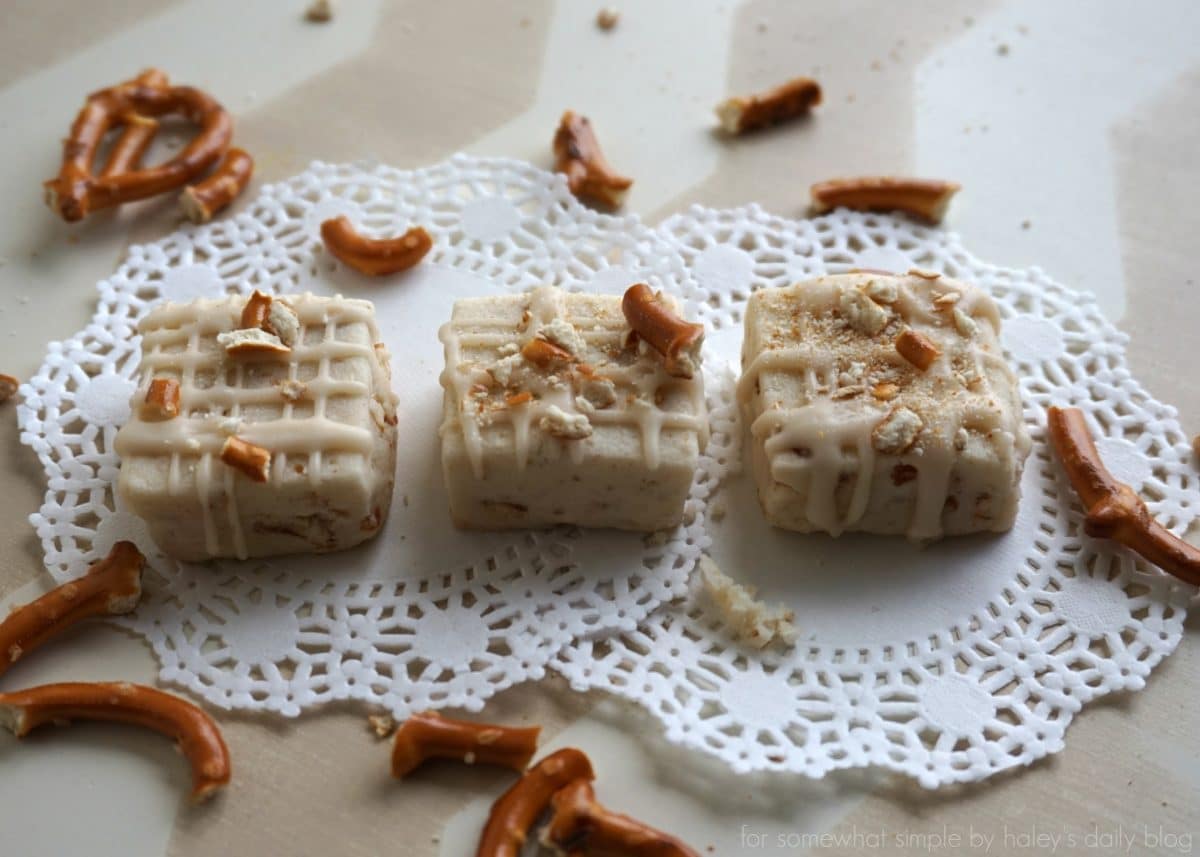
121	702
1114	510
580	825
76	190
428	735
515	811
111	587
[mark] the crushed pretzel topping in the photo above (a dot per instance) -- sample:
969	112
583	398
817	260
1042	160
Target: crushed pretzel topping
8	387
283	322
897	431
381	724
292	390
862	313
251	341
598	392
750	620
964	324
562	333
559	423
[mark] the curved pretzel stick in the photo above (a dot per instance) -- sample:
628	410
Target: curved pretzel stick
204	199
678	341
579	157
927	199
374	257
515	811
121	702
1114	510
789	100
76	191
428	735
111	587
579	825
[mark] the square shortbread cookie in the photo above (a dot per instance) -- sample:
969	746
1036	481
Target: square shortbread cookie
323	409
849	433
552	414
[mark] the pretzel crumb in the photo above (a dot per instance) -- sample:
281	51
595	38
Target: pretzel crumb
917	348
162	400
241	343
252	460
381	724
607	18
752	621
8	387
292	390
559	423
790	100
896	432
319	11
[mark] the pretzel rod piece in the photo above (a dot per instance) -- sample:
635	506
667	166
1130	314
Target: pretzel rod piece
429	735
374	257
76	191
927	199
111	587
789	100
578	156
515	811
678	341
120	702
204	199
1114	510
579	825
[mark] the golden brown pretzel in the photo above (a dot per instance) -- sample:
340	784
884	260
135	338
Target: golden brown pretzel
927	199
8	387
111	586
127	152
204	199
579	825
197	735
252	460
515	811
787	101
1114	510
678	341
578	156
76	191
374	257
429	735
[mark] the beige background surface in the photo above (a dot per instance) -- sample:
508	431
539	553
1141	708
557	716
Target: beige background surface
1074	127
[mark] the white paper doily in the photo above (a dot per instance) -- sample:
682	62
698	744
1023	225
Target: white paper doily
424	615
948	663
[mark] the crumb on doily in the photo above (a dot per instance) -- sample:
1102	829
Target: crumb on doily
381	724
752	621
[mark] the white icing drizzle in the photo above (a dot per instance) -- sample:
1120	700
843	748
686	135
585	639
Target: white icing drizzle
814	444
636	383
174	337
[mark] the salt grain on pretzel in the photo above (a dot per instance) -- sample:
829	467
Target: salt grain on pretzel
580	825
927	199
789	100
428	735
578	156
77	191
121	702
204	199
374	257
111	587
8	387
652	319
1114	510
515	811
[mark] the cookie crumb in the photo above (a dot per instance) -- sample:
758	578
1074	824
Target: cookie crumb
319	11
607	18
382	725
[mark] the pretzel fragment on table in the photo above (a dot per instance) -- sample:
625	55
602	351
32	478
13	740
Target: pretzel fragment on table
515	811
926	199
1114	510
652	319
578	156
374	257
205	198
428	735
250	459
580	825
77	191
120	702
8	387
790	100
111	587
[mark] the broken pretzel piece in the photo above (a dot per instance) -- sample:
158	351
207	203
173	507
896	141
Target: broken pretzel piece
652	319
429	735
111	587
253	461
578	156
1114	510
787	101
927	199
162	400
77	191
580	825
374	257
515	811
917	348
121	702
250	342
543	352
204	199
8	387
